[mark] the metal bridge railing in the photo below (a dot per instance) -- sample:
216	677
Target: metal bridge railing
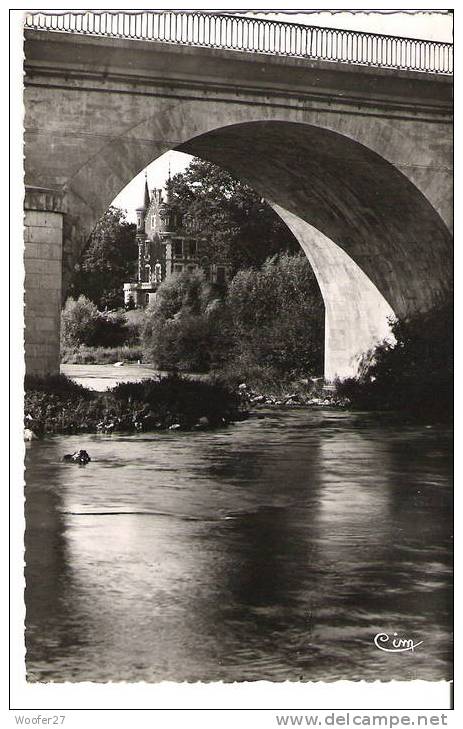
256	35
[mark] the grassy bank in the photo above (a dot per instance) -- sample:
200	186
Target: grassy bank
84	354
58	405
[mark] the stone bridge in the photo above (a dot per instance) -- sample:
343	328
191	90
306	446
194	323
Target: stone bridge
352	148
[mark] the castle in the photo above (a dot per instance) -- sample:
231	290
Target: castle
167	245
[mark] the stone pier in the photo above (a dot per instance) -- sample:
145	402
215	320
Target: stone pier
43	244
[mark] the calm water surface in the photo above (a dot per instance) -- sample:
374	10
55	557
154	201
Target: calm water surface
273	549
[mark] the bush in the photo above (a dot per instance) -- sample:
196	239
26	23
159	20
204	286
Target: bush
177	400
270	322
185	329
277	317
83	324
189	344
55	384
57	405
79	322
261	377
135	319
111	330
414	374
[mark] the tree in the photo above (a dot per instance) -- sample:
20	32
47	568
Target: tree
278	316
79	321
184	329
270	320
108	261
242	229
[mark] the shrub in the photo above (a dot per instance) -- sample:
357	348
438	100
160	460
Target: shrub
186	329
277	317
54	384
244	369
188	343
135	319
270	321
177	400
56	405
83	324
414	374
111	330
79	322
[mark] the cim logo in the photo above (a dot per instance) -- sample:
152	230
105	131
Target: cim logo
393	644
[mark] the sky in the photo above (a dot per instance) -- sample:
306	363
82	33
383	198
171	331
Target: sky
430	25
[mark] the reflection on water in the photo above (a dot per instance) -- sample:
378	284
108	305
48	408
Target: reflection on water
273	549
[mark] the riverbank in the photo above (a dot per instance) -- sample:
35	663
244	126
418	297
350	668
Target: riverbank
107	399
84	355
59	405
295	395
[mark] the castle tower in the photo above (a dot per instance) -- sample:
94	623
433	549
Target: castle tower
168	216
143	254
133	292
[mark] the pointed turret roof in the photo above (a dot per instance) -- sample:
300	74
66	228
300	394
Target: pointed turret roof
146	201
168	188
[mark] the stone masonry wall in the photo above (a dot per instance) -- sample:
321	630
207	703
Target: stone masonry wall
43	242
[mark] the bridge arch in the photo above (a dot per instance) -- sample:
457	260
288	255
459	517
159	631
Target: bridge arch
376	244
364	184
362	223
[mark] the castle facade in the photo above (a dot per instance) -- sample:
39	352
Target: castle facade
167	245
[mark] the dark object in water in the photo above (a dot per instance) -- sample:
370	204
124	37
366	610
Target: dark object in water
81	457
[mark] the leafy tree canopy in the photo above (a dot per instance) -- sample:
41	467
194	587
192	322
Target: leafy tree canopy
108	261
270	320
278	315
241	227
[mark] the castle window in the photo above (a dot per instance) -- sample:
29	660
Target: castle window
220	275
153	222
178	248
178	268
172	221
147	273
157	273
193	248
147	248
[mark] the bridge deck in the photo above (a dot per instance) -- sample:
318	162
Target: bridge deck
231	32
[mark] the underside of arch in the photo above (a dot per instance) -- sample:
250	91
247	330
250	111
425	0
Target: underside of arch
354	197
356	315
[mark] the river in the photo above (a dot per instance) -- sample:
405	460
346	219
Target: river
273	549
